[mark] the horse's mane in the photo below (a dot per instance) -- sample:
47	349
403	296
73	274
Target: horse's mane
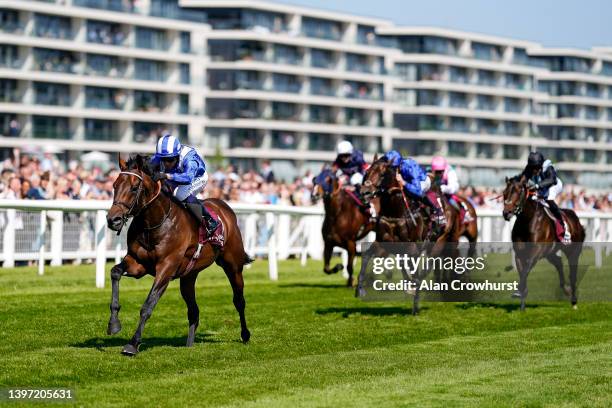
142	163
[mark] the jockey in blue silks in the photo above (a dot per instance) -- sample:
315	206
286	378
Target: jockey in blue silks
412	177
186	170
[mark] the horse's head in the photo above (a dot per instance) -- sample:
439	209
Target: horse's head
514	196
323	184
134	189
379	178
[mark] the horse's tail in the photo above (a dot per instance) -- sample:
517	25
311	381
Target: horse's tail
247	259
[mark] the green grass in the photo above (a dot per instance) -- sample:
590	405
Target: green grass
313	344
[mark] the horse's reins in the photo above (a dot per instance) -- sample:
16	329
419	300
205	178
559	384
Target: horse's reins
131	207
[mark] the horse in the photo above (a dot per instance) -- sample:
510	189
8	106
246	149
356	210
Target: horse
532	228
163	240
344	224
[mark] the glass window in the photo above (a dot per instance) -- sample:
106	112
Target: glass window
185	38
321	58
103	32
511	152
606	68
9	56
55	60
407	72
9	21
457	149
184	74
592	90
486	78
286	54
485	102
356	117
286	83
513	81
366	35
104	98
105	65
151	38
512	105
357	63
247	138
591	112
484	150
150	70
430	72
458	124
147	101
458	100
318	28
321	114
148	132
49	26
284	111
321	86
427	97
46	93
487	52
414	148
50	127
105	130
8	90
459	74
283	140
321	141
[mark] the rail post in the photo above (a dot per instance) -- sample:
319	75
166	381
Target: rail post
100	247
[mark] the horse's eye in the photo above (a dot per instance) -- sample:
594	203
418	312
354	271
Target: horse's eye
134	189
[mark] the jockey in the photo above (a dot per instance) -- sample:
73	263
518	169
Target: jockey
542	177
445	174
412	178
349	162
185	169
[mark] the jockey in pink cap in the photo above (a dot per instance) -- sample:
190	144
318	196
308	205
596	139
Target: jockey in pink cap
449	182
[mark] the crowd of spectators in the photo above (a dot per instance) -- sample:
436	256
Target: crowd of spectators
45	177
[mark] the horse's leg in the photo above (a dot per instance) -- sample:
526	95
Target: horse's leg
157	290
351	248
523	266
193	312
129	267
328	248
557	262
572	258
234	274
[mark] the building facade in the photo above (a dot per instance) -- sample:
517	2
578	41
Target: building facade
252	80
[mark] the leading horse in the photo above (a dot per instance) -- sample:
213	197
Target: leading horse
534	236
163	241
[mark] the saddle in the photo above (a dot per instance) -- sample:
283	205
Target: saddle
216	239
561	229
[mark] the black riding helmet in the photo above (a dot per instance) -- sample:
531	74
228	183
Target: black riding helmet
535	159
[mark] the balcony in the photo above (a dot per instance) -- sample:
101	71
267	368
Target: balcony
486	52
101	130
321	142
101	32
112	5
105	65
47	127
323	29
321	59
55	61
51	94
146	101
321	86
149	70
284	54
360	90
47	26
357	63
151	39
285	83
321	114
104	98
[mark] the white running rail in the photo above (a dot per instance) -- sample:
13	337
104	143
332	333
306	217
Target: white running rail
72	230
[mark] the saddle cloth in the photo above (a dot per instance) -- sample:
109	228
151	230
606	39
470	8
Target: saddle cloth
561	229
217	238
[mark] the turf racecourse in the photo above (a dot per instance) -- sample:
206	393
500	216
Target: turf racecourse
313	344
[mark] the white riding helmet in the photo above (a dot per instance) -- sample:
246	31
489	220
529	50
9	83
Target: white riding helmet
344	147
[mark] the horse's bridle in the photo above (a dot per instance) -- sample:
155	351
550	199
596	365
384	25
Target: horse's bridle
521	201
130	208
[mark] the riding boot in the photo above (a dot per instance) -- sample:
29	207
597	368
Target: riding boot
562	234
211	223
436	212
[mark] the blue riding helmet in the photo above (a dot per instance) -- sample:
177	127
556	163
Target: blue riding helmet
168	146
393	157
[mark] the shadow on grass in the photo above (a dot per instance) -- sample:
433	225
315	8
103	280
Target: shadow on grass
315	285
101	343
508	307
369	311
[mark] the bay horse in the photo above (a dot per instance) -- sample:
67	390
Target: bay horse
533	228
162	239
344	224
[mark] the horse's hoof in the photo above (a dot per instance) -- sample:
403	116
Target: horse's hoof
245	335
338	268
328	271
516	295
114	327
129	350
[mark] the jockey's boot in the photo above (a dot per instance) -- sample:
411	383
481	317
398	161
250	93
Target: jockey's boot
562	234
200	212
437	215
211	223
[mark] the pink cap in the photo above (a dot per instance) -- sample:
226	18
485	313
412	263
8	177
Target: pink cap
438	163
